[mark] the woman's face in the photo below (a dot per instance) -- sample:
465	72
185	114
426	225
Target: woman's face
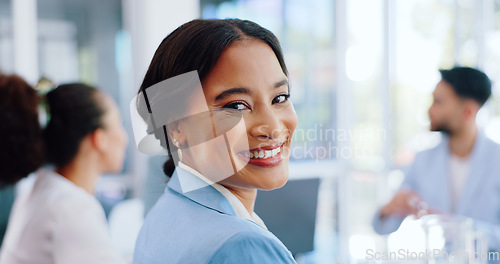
247	81
115	137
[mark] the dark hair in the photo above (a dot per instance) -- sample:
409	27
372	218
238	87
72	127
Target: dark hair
21	144
74	113
197	45
468	83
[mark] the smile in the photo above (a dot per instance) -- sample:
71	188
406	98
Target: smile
263	154
267	156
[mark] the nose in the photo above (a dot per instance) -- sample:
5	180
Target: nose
267	124
430	111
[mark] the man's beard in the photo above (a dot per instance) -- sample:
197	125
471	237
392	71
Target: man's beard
444	129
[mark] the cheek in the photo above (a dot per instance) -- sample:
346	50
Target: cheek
238	136
119	141
448	112
117	136
436	111
290	119
123	136
238	141
211	158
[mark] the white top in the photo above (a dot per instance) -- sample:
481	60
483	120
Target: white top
459	170
236	204
57	222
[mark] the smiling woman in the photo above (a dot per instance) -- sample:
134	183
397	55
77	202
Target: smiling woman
232	139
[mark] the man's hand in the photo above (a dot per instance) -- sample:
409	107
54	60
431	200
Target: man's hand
405	202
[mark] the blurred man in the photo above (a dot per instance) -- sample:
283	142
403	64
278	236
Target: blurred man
460	176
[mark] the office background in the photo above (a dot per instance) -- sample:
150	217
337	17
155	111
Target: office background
362	73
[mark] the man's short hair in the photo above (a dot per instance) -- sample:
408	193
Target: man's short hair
468	83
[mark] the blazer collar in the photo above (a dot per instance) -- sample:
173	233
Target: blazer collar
476	175
197	190
441	183
438	167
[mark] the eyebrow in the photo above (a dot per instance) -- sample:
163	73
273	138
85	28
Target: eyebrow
281	83
241	90
228	92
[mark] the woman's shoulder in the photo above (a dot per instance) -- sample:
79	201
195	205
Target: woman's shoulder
229	240
56	189
252	247
174	209
60	200
176	227
52	196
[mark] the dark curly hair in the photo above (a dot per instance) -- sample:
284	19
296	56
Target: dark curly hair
21	144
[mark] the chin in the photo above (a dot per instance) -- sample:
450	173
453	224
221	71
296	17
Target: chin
275	184
257	179
271	181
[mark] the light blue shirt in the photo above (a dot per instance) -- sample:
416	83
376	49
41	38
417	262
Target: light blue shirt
200	226
480	196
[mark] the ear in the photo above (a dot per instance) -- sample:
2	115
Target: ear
99	141
174	131
471	108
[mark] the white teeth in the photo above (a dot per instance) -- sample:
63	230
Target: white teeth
275	151
263	154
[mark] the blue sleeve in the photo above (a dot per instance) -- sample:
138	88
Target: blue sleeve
410	173
252	247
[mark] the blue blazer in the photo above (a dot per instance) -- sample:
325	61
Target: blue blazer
480	198
200	226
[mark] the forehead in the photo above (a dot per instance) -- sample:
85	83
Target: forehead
249	63
443	88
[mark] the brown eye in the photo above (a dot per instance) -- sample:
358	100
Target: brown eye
281	98
236	106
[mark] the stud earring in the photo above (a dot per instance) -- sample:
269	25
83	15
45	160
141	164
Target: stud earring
179	151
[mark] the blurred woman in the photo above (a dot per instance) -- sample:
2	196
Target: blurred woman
60	221
227	138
